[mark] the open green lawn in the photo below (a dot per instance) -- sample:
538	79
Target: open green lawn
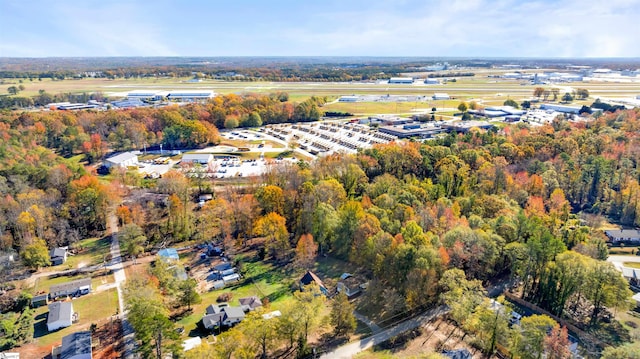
631	264
91	308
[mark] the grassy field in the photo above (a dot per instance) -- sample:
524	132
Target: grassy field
91	251
493	91
90	308
631	264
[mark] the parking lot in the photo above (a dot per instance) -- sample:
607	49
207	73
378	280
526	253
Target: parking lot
328	136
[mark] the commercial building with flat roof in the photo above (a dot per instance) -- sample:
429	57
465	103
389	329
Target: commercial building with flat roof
441	96
401	80
190	95
122	160
201	158
412	130
560	108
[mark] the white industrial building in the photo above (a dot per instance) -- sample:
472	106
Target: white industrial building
122	160
201	158
190	95
401	80
441	96
146	95
431	81
560	108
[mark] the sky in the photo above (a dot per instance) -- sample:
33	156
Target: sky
451	28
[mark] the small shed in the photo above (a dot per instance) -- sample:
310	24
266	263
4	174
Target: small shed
39	300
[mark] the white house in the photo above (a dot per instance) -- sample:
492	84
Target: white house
122	160
60	315
201	158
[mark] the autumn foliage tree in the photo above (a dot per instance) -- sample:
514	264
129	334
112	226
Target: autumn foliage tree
306	251
272	227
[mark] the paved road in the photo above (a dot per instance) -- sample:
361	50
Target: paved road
368	322
120	277
351	349
618	260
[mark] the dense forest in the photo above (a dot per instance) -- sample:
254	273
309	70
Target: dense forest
520	202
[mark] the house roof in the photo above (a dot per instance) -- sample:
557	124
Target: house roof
623	233
75	344
311	277
69	287
212	320
457	354
169	253
251	302
223	266
39	298
57	252
234	313
59	310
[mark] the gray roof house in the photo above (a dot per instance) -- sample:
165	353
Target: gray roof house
76	346
250	303
58	256
73	288
60	315
222	315
623	235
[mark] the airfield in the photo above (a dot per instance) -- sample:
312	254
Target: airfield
484	88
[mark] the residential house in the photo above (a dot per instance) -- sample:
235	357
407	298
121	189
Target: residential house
309	278
58	256
350	285
222	315
74	288
75	346
250	303
623	235
60	315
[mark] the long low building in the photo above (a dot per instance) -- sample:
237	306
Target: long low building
401	80
73	288
201	158
560	108
412	130
122	160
